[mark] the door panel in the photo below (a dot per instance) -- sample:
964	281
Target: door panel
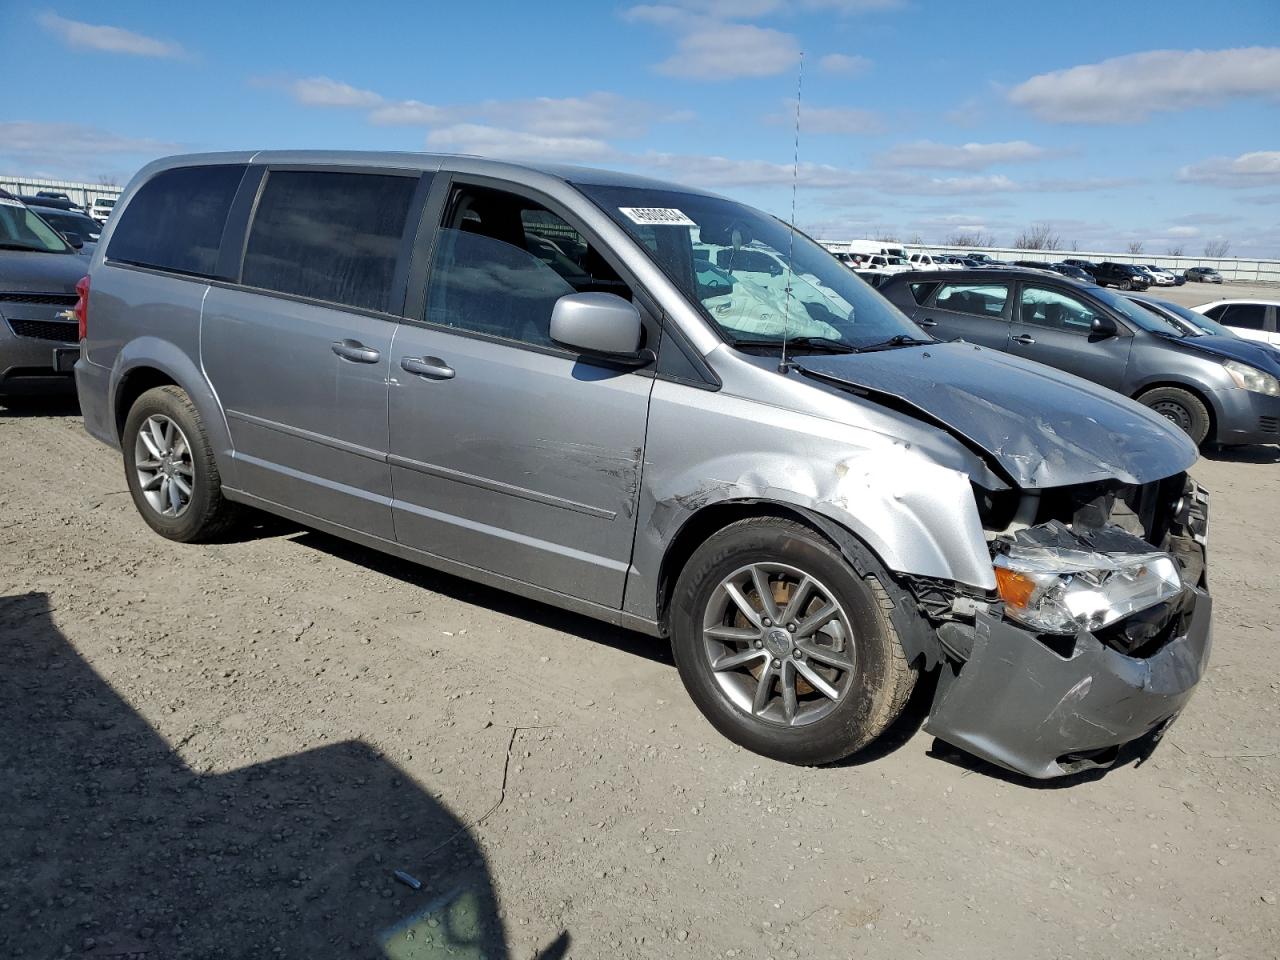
522	462
308	426
973	311
1052	327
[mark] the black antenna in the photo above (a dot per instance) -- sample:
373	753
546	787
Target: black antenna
783	366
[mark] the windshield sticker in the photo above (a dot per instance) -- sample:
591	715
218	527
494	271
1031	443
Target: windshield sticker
657	216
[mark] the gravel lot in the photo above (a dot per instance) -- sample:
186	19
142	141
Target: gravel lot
226	751
1194	294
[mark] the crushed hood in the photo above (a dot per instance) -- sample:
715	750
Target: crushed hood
1043	427
1261	355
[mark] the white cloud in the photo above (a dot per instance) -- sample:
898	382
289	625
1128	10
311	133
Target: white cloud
73	151
708	48
1129	88
407	113
595	115
324	92
1182	233
1261	168
843	63
965	156
90	36
517	144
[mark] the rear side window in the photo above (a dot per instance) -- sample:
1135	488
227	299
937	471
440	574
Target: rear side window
329	236
1250	316
983	299
921	291
175	220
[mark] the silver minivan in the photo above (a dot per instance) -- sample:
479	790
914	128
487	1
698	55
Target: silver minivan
596	391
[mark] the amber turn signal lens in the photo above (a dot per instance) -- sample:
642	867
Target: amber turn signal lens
1015	589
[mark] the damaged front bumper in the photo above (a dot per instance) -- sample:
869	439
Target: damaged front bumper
1020	704
1047	705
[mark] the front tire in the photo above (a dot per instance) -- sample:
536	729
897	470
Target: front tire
783	647
170	469
1181	407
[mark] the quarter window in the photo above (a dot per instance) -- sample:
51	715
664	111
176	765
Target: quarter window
1249	316
1043	307
982	299
329	236
501	262
175	220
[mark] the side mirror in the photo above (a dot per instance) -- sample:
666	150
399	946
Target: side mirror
1103	327
599	323
74	239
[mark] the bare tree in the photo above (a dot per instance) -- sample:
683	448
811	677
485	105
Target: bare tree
1135	246
108	180
1217	248
1038	236
962	238
886	236
1075	246
917	240
1175	250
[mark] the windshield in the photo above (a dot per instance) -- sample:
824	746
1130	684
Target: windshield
1144	318
1197	321
752	277
21	229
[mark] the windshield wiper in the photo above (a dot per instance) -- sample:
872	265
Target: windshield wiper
901	340
813	344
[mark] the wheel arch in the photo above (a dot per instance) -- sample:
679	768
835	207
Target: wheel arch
150	362
1196	390
919	639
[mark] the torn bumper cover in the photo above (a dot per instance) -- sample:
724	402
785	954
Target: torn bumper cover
1023	706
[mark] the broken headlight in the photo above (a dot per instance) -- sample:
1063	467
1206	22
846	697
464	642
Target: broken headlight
1056	581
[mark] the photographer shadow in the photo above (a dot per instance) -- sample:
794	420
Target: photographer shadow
111	846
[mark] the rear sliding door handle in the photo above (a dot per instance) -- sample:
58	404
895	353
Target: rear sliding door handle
1025	340
926	323
355	351
433	368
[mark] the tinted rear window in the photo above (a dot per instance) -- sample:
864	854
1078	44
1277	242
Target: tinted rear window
175	220
1249	316
329	236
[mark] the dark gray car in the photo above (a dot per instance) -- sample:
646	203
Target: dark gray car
38	275
598	391
1213	395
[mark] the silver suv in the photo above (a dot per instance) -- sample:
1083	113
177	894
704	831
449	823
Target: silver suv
598	391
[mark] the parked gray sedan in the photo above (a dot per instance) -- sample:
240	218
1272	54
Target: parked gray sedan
600	392
1212	391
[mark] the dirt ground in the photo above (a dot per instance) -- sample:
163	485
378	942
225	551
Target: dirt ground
1194	294
227	751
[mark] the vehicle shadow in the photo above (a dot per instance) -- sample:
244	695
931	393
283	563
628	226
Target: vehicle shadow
898	733
1253	453
490	598
57	405
113	847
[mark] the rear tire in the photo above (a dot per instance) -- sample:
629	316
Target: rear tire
1182	408
170	469
741	683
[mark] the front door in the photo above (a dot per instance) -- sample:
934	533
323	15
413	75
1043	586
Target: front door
298	353
509	453
1054	327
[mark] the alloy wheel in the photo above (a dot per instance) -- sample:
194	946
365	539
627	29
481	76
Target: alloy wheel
779	644
162	458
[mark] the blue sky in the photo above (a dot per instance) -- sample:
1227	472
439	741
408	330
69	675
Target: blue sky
1110	121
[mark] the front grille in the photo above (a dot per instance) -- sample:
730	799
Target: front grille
63	331
51	299
1269	424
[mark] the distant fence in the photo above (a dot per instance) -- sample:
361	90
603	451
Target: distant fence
1242	269
80	193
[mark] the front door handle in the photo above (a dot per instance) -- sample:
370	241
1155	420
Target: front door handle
433	368
926	323
1025	340
355	351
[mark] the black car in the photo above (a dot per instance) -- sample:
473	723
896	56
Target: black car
79	229
1210	386
39	200
1072	271
1088	266
1123	275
